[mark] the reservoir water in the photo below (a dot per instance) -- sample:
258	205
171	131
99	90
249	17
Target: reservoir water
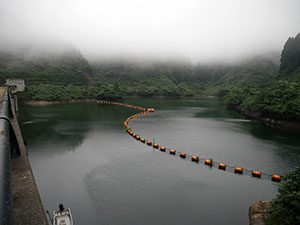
81	156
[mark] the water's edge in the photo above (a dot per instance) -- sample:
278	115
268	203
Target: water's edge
270	122
67	129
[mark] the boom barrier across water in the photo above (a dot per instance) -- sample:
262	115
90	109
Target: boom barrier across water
184	155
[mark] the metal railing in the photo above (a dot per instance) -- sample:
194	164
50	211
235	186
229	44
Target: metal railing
5	162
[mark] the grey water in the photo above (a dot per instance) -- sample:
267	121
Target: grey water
82	157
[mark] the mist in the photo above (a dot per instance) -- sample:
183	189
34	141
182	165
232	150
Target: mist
207	30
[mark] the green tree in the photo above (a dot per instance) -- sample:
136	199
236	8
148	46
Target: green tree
290	57
285	209
235	96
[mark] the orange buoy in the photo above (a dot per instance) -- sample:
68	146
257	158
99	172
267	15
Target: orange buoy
151	110
172	151
276	178
256	173
208	162
238	170
195	158
162	148
183	155
222	166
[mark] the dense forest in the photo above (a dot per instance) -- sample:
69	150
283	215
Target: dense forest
279	99
47	77
290	59
58	69
267	84
285	208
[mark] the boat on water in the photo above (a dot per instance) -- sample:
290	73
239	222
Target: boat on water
62	216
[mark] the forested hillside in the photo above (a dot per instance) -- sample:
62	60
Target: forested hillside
59	69
290	59
279	99
145	78
69	75
257	85
184	79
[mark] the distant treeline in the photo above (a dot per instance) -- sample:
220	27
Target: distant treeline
172	79
247	84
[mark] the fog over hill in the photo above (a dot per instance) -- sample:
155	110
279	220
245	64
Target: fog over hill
245	51
189	30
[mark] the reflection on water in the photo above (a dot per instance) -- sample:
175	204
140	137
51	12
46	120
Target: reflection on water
81	156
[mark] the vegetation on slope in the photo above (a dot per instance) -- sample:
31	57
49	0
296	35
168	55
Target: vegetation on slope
147	79
47	77
285	209
51	92
281	98
290	59
69	76
61	69
257	70
183	79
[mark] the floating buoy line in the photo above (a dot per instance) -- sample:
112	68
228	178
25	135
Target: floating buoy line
184	155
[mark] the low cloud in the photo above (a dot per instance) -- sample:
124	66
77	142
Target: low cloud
207	30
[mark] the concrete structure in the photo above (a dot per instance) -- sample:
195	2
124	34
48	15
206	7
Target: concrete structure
15	84
258	212
25	205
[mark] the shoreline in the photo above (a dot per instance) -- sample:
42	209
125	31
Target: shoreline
56	102
46	102
270	122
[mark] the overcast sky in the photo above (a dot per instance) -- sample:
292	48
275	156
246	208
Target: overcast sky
196	29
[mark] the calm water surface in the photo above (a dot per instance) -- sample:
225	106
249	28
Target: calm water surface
81	156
